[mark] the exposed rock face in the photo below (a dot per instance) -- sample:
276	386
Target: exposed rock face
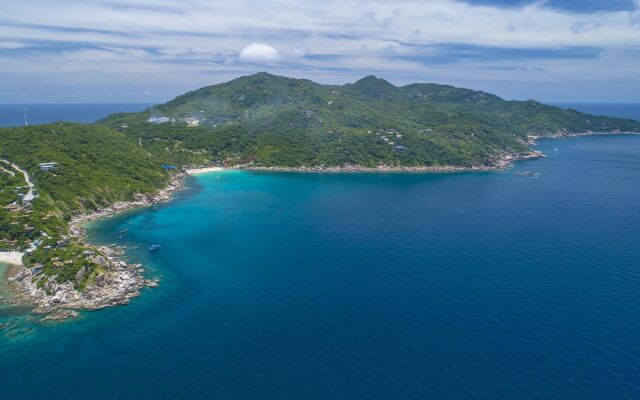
118	284
60	315
100	280
101	261
82	272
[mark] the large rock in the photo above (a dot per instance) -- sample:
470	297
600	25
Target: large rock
37	268
101	261
51	286
100	280
22	274
61	315
82	272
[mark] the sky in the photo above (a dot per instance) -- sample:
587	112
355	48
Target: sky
102	51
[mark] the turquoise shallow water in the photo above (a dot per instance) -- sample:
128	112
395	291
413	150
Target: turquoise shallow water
371	286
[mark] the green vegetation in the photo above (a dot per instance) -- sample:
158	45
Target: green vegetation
96	167
276	121
62	260
260	120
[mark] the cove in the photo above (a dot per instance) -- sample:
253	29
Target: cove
372	286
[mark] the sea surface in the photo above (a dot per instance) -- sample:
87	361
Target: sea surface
13	114
620	110
365	286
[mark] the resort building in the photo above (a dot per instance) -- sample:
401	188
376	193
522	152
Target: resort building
158	120
48	166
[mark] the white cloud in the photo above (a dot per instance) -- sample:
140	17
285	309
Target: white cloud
259	53
197	42
426	22
12	45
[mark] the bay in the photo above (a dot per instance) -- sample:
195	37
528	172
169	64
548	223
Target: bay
372	286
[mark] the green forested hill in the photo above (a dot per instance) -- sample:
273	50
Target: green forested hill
281	121
97	166
266	120
260	120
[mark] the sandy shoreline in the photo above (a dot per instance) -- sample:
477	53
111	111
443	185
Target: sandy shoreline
11	257
196	171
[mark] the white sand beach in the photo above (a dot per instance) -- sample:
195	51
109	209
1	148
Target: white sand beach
196	171
11	257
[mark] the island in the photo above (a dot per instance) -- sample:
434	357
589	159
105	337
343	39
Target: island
56	177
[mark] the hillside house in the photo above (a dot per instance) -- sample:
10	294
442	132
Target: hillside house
48	166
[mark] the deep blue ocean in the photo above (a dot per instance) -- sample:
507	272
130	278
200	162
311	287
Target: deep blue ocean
366	286
620	110
13	114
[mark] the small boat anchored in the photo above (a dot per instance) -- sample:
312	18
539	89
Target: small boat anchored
154	247
529	174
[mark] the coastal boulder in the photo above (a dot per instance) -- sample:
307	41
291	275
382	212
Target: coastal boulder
82	272
100	280
101	261
51	286
36	269
61	315
22	274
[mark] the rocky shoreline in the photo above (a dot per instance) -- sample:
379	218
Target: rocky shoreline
117	285
565	134
504	161
121	281
140	200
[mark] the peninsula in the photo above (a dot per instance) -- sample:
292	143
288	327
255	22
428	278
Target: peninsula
55	177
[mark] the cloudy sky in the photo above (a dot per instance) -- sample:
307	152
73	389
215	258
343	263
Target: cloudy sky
153	50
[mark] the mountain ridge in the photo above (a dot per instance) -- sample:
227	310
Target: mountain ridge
278	121
260	121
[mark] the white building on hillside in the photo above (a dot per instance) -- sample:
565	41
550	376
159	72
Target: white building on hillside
48	166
